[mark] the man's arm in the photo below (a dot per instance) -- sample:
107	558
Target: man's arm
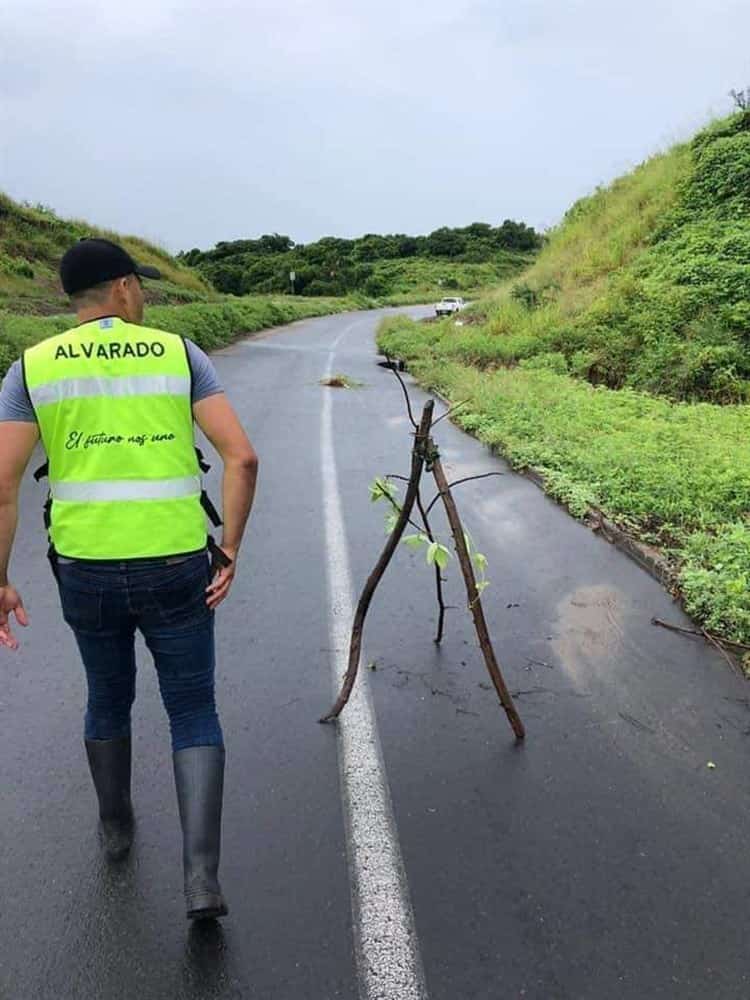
17	442
218	421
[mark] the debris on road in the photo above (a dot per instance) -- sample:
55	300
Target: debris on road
341	382
718	642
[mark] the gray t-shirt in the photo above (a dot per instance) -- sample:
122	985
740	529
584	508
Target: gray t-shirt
16	405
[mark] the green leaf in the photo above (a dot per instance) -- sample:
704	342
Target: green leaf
480	561
415	541
438	555
442	556
380	489
482	586
390	522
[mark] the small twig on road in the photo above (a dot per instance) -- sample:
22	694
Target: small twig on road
675	628
716	641
539	663
699	632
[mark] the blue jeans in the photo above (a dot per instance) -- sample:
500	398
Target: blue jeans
104	604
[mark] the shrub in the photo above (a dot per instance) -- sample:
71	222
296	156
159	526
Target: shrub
16	266
715	579
526	294
553	361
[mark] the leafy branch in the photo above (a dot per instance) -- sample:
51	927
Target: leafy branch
426	457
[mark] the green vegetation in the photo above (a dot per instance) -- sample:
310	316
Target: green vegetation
32	305
673	474
383	267
646	283
32	241
421	279
605	364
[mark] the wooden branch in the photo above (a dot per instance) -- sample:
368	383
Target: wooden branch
355	647
438	577
475	602
717	642
406	392
457	482
717	645
451	410
700	632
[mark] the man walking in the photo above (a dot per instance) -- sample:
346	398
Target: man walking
114	404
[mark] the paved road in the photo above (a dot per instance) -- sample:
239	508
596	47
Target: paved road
601	859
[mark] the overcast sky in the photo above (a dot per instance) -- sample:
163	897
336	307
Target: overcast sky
190	123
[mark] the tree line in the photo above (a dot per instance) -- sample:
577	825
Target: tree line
334	266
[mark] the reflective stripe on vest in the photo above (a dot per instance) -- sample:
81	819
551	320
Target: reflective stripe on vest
126	489
113	402
126	385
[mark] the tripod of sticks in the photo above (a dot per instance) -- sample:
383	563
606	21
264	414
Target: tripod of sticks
425	457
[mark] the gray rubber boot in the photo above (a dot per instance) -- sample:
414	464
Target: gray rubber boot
199	779
109	761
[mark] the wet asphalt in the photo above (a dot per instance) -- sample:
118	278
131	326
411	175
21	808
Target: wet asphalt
602	859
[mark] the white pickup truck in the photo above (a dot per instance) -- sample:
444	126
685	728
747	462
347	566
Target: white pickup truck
448	306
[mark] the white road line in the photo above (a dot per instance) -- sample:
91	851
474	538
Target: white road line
389	965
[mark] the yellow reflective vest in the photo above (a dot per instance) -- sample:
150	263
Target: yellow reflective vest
113	401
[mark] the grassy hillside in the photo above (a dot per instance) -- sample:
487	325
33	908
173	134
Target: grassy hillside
646	283
423	279
398	266
606	364
32	241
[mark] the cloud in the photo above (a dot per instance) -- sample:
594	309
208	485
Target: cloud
192	123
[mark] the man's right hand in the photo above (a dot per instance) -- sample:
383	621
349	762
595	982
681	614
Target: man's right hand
10	603
218	589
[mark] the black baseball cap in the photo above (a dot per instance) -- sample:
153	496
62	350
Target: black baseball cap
92	261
